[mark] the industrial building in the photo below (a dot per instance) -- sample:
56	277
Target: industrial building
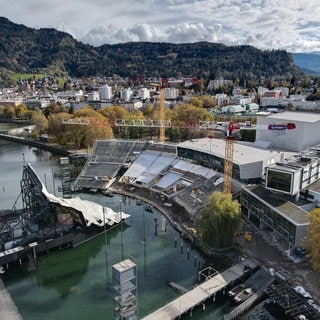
277	187
249	161
305	135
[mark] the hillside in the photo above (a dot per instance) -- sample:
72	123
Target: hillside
309	62
24	49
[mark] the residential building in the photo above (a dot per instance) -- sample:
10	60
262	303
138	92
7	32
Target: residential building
105	92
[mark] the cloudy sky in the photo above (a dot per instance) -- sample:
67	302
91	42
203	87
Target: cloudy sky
293	25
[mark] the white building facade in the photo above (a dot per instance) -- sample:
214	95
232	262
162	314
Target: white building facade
105	92
305	135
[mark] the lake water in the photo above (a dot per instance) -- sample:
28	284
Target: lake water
77	283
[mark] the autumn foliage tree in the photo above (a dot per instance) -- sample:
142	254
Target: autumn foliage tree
313	239
79	135
40	122
219	221
187	117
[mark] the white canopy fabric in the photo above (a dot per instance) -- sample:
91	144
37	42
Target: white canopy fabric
92	212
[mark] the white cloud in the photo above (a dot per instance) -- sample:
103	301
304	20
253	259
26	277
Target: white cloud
266	24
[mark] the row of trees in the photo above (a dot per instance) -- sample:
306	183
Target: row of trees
101	123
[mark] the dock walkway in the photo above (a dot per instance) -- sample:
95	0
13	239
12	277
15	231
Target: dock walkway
201	293
8	309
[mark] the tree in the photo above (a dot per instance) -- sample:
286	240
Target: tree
40	122
115	112
53	108
208	101
78	135
187	116
313	239
56	129
219	220
195	101
21	111
9	112
87	112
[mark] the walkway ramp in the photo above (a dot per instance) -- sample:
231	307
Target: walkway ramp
8	309
201	293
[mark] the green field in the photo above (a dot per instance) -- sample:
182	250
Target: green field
17	76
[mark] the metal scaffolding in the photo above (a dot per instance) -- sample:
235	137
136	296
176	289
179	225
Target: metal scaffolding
124	276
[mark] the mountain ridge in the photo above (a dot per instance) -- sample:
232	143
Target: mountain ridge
24	49
308	61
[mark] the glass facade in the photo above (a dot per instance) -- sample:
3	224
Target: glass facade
260	213
207	160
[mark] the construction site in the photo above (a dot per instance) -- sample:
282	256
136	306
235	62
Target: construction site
184	175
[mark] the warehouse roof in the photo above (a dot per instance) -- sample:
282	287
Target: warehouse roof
296	116
244	152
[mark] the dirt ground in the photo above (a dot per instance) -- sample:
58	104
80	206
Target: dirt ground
273	255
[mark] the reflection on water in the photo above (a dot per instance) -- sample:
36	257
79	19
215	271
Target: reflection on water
83	275
12	157
77	283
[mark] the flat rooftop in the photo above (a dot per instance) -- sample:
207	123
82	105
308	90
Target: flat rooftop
244	152
282	203
296	116
315	186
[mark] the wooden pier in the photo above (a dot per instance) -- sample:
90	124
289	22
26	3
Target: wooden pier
188	301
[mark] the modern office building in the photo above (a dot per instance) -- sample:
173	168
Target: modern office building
283	216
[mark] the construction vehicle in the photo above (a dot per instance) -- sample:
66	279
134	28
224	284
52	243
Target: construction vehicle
248	236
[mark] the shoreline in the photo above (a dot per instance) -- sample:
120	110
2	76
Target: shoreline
266	252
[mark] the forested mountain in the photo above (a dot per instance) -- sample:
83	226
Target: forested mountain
24	49
309	62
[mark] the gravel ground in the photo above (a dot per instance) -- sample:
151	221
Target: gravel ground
273	255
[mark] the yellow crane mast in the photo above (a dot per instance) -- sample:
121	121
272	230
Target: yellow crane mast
162	116
228	164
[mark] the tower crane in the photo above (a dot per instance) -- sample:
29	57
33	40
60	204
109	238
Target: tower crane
162	133
232	130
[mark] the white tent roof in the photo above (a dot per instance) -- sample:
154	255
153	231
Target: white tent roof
92	212
194	168
148	166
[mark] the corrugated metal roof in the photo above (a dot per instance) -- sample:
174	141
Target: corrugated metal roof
168	180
